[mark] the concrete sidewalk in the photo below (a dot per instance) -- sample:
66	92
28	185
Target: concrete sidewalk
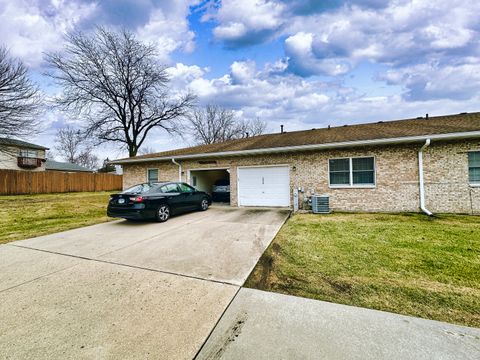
262	325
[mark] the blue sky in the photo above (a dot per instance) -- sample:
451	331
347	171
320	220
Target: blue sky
302	63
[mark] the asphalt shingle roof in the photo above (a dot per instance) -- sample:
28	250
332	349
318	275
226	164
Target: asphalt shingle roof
21	143
64	166
464	122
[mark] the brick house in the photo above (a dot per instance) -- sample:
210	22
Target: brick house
430	164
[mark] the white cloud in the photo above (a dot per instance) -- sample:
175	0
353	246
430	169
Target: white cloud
30	28
300	103
302	60
242	71
435	81
168	28
399	34
182	75
320	41
247	21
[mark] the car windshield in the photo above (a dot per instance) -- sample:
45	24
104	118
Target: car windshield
142	188
222	182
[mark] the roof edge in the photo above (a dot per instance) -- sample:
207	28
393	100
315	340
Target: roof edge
282	149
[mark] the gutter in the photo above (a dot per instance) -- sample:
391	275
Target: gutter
284	149
179	169
421	179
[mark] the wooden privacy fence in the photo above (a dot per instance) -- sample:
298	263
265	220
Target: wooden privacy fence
15	182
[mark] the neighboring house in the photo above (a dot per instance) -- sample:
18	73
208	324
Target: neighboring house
368	167
52	165
21	155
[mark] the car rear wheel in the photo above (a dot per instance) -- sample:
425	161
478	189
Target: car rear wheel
163	213
204	204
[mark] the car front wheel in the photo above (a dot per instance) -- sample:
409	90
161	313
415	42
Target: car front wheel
204	205
163	213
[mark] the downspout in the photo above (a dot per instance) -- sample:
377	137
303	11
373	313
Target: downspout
179	169
421	179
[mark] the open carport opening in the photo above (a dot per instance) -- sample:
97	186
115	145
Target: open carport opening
214	182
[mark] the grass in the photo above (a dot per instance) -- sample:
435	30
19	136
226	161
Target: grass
25	216
404	263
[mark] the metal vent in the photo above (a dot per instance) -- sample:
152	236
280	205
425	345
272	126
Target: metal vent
320	204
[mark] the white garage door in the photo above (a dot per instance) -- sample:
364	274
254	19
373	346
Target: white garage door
264	186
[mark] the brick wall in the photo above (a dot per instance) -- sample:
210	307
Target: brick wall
446	176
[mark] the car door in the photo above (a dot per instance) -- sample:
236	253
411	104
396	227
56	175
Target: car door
175	198
190	196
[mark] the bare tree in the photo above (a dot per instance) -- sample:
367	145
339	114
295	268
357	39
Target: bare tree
88	159
115	82
215	124
72	146
146	150
69	143
20	99
256	127
107	167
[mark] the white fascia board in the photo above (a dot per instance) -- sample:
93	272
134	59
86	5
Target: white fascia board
284	149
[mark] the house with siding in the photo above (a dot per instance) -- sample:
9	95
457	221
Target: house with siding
429	164
21	155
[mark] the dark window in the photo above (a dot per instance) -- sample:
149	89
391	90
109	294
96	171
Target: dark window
152	175
339	171
184	188
352	171
474	167
169	188
222	182
194	180
363	170
138	189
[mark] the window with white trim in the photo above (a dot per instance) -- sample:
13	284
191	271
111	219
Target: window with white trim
357	171
152	175
474	167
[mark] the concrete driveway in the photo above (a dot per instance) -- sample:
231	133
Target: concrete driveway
128	290
173	291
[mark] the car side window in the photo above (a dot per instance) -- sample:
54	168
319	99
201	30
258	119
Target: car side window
184	188
169	188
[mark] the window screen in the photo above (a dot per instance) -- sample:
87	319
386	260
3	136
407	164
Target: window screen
474	167
363	171
152	175
352	171
339	172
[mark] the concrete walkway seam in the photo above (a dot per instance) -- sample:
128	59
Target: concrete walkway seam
216	324
130	266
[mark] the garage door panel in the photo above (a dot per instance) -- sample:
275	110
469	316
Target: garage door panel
264	186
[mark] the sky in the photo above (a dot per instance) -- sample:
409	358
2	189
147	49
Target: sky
304	64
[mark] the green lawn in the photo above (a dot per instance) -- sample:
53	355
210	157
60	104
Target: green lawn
25	216
409	263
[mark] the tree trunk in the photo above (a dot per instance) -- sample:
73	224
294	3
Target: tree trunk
132	151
